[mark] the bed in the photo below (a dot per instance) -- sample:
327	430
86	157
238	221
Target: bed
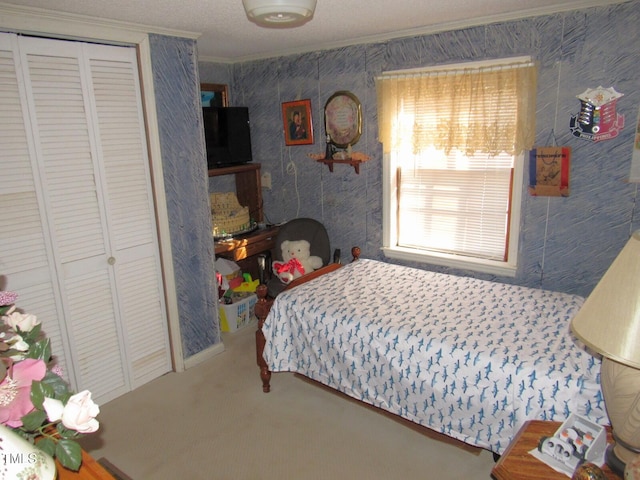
468	358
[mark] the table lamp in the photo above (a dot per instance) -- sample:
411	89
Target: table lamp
609	323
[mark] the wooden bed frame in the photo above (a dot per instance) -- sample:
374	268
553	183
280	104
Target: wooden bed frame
263	306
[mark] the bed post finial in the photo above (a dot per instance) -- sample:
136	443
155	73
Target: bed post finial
263	305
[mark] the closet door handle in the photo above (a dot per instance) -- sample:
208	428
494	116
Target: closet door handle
111	260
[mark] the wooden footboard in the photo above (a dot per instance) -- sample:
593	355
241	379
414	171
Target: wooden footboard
263	306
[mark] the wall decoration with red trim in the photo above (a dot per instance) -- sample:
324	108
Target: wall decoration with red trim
598	119
549	171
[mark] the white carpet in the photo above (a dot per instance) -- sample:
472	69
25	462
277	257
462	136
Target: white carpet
214	422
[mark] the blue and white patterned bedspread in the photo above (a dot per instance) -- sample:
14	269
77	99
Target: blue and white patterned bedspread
468	358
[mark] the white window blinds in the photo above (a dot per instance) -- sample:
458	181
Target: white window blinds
455	204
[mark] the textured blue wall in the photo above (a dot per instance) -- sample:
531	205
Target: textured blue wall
176	83
566	243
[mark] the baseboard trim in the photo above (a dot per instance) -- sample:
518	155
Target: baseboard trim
204	355
113	470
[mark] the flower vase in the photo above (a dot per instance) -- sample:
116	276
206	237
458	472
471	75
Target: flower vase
21	460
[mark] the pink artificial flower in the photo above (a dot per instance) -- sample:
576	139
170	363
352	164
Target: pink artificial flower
7	298
15	391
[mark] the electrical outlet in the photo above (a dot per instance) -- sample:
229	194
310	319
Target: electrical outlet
265	180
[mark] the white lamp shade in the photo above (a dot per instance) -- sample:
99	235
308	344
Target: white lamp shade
609	320
279	12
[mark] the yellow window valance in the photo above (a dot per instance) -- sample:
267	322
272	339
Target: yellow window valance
484	109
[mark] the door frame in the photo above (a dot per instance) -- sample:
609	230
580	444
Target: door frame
36	21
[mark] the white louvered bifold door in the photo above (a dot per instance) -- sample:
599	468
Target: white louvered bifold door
25	245
90	154
131	215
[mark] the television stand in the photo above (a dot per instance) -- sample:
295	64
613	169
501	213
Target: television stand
248	186
243	249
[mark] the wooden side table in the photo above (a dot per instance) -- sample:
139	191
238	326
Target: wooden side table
243	249
239	248
89	470
518	464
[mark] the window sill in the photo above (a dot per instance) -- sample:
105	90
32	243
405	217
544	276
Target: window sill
454	261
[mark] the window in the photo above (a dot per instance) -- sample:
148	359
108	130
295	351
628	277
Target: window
453	142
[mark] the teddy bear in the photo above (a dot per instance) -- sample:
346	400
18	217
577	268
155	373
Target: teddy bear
296	260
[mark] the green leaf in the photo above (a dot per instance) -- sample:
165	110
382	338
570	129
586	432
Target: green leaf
58	386
30	336
33	420
37	394
40	350
48	446
67	433
28	436
69	454
39	390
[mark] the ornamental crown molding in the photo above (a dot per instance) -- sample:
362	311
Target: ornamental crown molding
31	20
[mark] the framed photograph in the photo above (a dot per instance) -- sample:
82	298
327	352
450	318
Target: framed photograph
298	124
214	95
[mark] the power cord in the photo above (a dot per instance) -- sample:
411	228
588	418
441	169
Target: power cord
293	170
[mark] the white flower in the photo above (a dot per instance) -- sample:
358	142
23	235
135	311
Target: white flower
24	321
18	343
80	412
54	409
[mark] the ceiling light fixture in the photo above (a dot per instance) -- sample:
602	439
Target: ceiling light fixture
279	13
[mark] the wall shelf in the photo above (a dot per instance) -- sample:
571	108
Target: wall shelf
355	161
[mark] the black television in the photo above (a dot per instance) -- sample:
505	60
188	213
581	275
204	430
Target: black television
227	135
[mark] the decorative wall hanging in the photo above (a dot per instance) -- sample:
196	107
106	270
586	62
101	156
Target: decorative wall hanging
549	171
343	127
343	119
298	125
597	119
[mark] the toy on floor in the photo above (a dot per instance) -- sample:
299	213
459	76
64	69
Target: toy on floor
249	285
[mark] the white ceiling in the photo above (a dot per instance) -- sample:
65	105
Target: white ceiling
225	34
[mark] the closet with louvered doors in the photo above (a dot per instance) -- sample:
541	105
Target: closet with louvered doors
78	241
